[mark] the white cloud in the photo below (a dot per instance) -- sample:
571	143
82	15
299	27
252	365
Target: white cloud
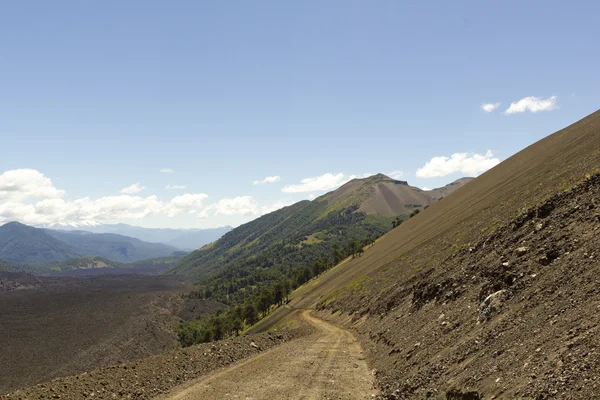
242	205
132	189
312	196
30	197
396	174
489	107
465	163
166	170
176	187
425	188
186	202
321	183
20	184
268	179
533	104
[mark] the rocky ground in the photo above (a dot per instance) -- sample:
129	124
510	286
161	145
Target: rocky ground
148	378
53	327
514	315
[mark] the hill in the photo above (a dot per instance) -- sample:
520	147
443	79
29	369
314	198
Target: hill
487	293
258	263
110	246
24	244
380	195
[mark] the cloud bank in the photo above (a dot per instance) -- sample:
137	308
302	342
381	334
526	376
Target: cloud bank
27	196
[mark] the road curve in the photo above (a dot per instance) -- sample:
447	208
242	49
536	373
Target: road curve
327	364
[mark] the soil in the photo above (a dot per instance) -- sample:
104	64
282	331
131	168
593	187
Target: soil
153	376
61	326
197	308
328	364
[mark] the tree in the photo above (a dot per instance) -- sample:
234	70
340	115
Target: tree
237	325
250	313
337	253
352	248
287	289
264	302
415	212
278	293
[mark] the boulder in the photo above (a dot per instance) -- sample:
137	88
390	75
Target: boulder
492	305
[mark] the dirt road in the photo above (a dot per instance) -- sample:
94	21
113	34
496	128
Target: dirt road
327	364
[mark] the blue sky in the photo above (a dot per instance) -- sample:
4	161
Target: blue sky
98	96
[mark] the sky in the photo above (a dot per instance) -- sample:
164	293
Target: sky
203	114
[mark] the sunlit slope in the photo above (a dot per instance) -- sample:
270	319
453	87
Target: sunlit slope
550	165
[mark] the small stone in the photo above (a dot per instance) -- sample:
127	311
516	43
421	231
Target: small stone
521	251
539	227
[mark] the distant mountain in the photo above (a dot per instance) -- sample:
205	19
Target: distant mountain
25	244
185	239
281	245
113	247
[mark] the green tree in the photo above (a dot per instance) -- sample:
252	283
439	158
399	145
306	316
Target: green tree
250	313
338	256
278	293
237	325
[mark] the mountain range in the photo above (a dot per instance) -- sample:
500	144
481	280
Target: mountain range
25	244
360	209
183	239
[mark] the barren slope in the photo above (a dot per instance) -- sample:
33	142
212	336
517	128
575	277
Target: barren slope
408	292
381	195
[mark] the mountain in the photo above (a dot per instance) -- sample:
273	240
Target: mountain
380	195
26	244
489	293
184	239
283	245
113	247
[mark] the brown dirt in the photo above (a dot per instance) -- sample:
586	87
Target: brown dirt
148	378
61	326
414	296
328	364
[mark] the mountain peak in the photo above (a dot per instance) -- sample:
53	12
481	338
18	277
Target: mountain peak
381	195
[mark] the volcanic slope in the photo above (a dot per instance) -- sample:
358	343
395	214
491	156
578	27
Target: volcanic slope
524	233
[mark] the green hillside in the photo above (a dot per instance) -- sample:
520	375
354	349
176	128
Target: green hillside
24	244
257	264
111	246
281	243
